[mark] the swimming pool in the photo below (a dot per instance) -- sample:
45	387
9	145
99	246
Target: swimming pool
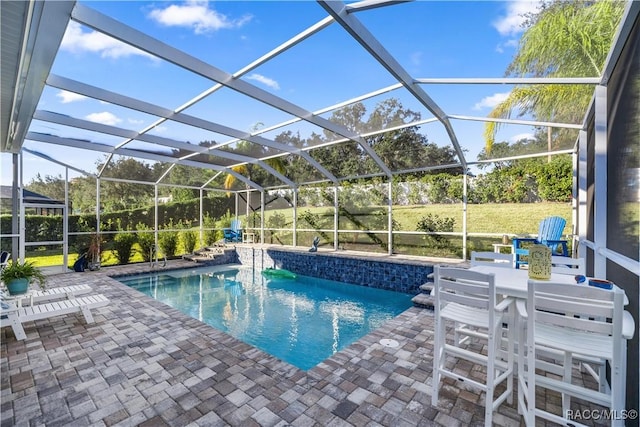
301	321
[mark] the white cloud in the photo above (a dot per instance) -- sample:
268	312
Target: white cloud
135	121
521	136
508	43
264	80
511	43
416	58
511	23
197	15
67	97
491	101
76	40
105	118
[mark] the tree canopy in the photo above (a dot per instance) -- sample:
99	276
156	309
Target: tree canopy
563	39
401	149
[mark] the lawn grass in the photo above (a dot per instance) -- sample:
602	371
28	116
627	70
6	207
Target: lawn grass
503	218
45	258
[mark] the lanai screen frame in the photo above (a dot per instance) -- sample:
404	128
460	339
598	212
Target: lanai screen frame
344	15
590	227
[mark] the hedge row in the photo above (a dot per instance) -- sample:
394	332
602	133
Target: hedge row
49	228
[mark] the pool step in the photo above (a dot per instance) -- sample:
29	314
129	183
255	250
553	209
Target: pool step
427	288
424	299
204	255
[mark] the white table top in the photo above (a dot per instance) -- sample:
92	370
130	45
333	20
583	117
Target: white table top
513	281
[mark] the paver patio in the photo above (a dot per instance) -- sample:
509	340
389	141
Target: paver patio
143	363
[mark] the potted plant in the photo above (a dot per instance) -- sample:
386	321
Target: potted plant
17	276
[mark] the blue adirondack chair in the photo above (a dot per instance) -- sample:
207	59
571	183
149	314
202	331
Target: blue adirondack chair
549	234
234	233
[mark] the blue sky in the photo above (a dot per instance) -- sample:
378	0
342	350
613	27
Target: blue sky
428	38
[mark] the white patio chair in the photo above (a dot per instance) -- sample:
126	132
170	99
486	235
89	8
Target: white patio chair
568	265
492	259
4	259
469	297
576	267
594	329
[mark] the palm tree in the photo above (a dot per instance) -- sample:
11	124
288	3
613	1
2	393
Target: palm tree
564	39
230	180
246	169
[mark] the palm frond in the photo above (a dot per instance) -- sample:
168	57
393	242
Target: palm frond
565	39
230	179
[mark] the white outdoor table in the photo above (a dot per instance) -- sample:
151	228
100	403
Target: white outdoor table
513	282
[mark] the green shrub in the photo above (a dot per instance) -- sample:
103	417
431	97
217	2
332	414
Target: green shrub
437	187
512	184
123	246
307	219
210	236
277	220
555	179
168	241
434	224
253	221
146	241
189	239
416	190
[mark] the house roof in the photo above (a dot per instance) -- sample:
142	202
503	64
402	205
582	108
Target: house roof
28	196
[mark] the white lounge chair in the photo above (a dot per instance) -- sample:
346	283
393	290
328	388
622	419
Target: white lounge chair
14	316
52	293
60	292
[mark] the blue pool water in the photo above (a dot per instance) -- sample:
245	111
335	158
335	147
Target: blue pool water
301	321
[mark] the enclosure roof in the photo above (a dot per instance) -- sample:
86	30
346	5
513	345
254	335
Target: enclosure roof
84	82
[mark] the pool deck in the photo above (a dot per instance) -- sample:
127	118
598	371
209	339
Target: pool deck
144	364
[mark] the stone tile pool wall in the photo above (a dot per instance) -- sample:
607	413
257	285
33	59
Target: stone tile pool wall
397	275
